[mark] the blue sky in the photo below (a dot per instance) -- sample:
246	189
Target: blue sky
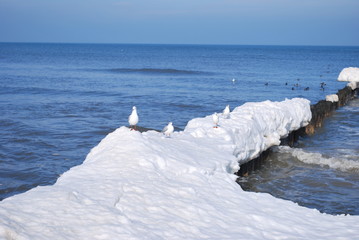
263	22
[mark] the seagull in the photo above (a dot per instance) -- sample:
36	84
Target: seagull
133	118
226	112
168	130
215	120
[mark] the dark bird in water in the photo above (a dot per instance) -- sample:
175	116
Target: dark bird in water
286	83
322	84
306	89
266	84
292	88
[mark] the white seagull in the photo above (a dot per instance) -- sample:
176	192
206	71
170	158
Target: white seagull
168	130
226	112
133	118
215	120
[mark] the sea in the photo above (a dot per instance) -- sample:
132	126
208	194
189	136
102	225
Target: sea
57	101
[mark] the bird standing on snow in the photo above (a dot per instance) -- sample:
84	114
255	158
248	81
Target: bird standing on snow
133	118
168	130
215	120
226	112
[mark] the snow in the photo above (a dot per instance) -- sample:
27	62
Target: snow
332	98
136	185
350	74
353	85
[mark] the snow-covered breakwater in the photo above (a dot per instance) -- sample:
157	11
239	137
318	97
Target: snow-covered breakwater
320	111
332	102
254	127
136	185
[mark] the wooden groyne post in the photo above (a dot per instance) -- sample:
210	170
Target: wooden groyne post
324	108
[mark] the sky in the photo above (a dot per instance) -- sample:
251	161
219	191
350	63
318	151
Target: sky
252	22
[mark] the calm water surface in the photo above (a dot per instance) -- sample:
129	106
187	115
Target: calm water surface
57	101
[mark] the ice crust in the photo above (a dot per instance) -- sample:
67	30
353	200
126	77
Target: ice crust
136	185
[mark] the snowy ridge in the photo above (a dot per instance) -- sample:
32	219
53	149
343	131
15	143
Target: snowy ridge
147	186
254	127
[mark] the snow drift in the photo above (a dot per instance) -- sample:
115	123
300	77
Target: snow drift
350	74
332	98
147	186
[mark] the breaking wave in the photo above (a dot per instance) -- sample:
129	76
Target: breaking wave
343	163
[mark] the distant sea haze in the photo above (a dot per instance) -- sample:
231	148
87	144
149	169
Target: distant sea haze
58	101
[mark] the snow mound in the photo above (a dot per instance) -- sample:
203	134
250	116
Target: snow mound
350	74
136	185
332	98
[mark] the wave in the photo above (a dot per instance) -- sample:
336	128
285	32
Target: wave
343	163
53	91
162	71
352	106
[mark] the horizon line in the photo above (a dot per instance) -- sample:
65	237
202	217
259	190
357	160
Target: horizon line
184	44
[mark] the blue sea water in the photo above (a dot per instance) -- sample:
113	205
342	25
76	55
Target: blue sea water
57	101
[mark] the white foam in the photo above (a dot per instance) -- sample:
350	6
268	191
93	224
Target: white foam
136	185
343	163
350	74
